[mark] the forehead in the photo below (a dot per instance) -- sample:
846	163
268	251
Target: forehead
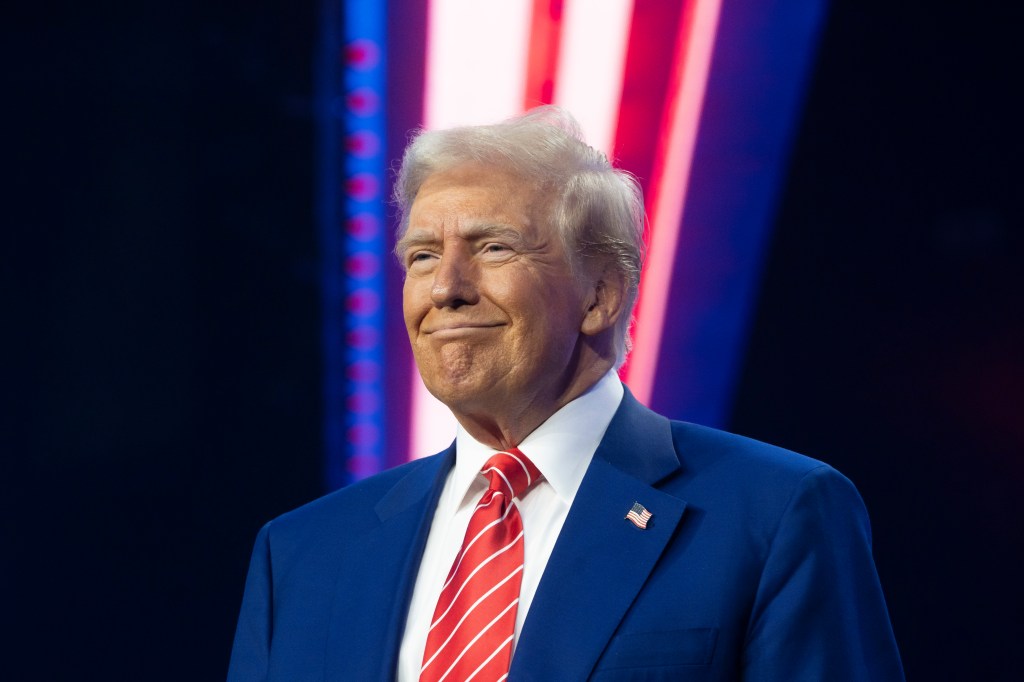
474	191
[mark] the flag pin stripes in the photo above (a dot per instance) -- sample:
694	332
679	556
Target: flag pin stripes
639	516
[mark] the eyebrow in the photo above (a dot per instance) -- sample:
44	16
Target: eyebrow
415	237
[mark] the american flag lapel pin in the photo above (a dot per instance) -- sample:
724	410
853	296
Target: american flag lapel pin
639	516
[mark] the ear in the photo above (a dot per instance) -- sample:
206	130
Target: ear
605	301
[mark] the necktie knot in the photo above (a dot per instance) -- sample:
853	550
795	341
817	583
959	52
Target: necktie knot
510	472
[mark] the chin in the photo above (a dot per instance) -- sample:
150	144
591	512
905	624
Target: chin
462	392
455	390
456	369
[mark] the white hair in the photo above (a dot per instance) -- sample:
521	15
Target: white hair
597	209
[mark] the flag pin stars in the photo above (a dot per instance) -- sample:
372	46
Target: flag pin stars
639	516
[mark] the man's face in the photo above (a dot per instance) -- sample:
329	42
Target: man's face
492	309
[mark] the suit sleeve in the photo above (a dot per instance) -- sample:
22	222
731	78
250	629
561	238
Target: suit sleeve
819	613
250	654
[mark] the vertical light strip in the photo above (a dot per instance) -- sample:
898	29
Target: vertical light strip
350	80
476	61
590	71
358	379
670	180
476	73
545	44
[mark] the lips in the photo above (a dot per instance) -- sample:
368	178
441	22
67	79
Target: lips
455	328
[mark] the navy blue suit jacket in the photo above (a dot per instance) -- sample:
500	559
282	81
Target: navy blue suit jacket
756	565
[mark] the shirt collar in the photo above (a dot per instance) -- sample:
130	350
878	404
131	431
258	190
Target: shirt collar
561	447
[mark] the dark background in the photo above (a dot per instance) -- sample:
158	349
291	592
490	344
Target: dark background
161	374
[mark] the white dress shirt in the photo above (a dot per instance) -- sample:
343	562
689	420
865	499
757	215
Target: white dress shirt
561	448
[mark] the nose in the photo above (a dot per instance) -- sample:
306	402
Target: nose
454	281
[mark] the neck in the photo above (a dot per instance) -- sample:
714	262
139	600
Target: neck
510	423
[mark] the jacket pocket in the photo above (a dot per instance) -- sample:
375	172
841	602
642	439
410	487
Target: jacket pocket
668	648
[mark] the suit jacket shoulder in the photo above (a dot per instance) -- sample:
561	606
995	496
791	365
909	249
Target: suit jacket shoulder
329	582
347	512
757	480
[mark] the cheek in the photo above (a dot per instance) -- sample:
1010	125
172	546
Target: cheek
504	290
413	296
525	291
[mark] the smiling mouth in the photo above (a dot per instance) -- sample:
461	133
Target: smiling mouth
459	329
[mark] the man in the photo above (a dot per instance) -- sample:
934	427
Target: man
569	533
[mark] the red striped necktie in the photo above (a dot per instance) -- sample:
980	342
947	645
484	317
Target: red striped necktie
473	627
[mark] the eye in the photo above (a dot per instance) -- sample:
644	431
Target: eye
494	247
419	258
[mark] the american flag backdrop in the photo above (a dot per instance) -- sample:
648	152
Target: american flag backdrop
697	98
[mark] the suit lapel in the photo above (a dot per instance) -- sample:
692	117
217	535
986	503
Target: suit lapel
601	561
374	611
